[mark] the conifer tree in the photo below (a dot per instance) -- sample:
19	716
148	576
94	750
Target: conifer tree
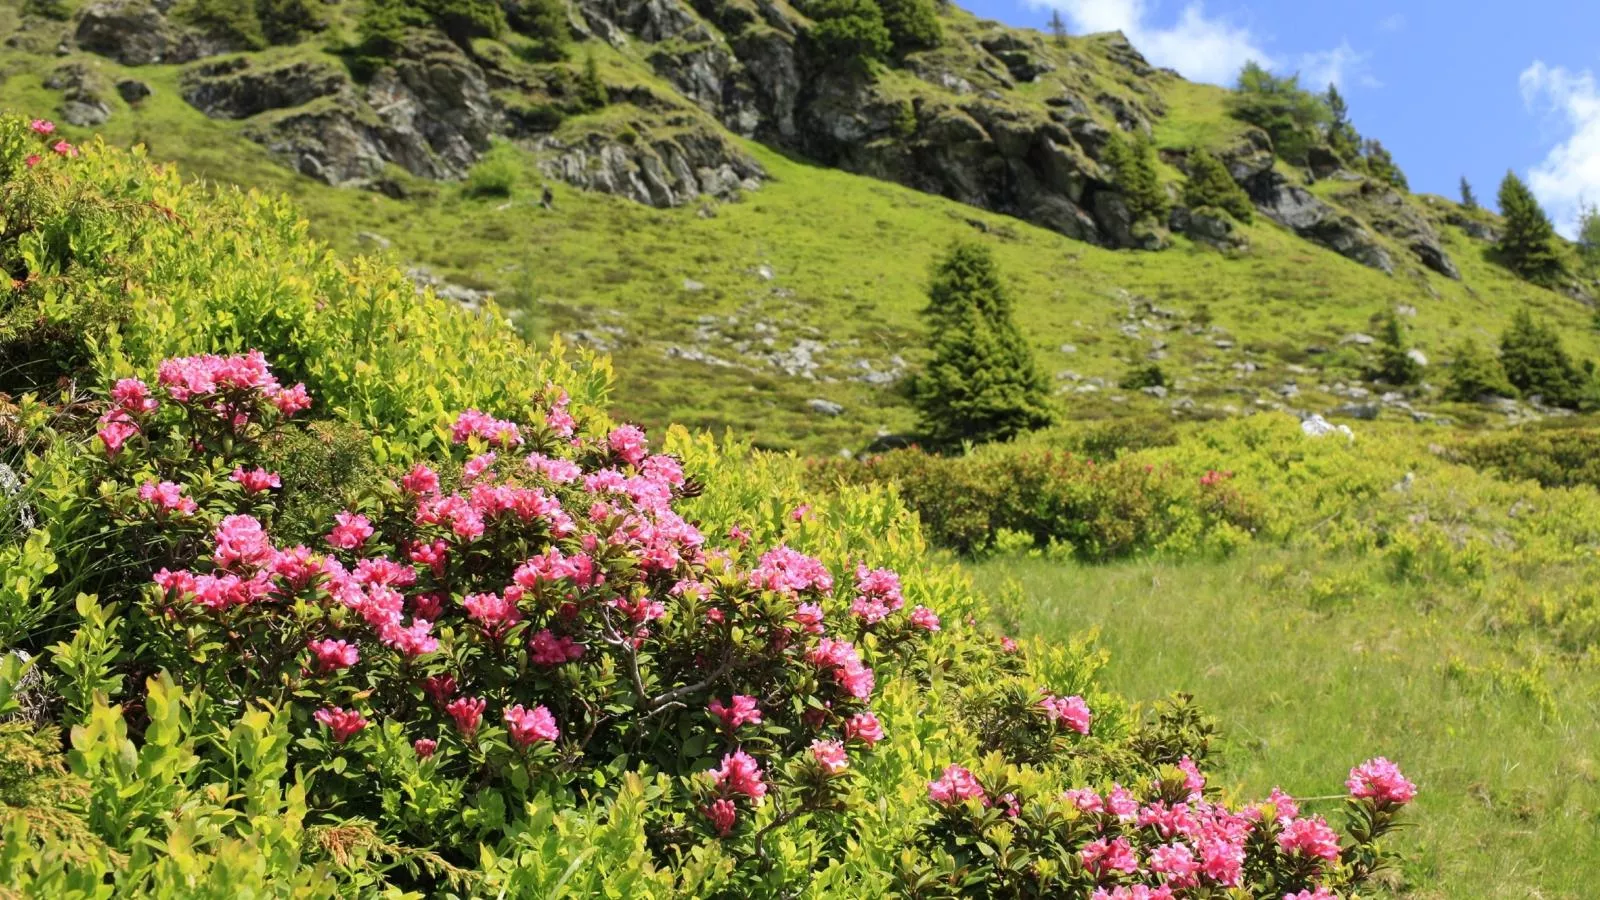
1469	200
1395	364
1528	244
1058	28
591	90
1134	168
982	383
1473	374
1210	184
1535	362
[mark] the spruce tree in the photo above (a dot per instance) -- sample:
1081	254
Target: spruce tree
1589	240
1528	244
1342	136
1381	165
1210	184
1469	200
591	90
1474	374
1134	168
1395	364
1058	28
913	25
982	383
1535	362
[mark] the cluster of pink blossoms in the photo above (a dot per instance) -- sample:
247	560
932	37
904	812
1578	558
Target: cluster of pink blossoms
44	128
1067	712
234	389
612	559
1194	843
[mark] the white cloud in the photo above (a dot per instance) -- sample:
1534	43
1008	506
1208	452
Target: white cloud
1569	175
1396	22
1200	47
1318	70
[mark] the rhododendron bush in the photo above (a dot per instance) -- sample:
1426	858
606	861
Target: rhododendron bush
328	590
528	618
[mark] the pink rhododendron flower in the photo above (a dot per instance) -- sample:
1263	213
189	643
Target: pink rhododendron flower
1121	803
289	400
628	442
132	396
343	723
530	726
559	471
1193	781
1067	712
809	617
428	606
468	713
1133	892
167	497
723	814
830	755
476	466
1310	837
1380	780
439	688
738	535
413	641
1177	862
955	786
787	571
864	727
740	774
1104	855
869	611
241	543
882	585
1008	645
115	429
421	481
332	655
433	555
351	532
424	747
255	481
550	649
557	419
801	513
495	432
33	160
1221	861
1320	893
925	618
493	613
743	711
1283	805
64	148
42	126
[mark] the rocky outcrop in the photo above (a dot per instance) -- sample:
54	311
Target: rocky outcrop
1022	58
1389	214
138	33
429	112
83	94
1207	225
664	172
237	89
1295	208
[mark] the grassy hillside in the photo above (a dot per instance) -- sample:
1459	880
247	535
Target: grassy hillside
809	288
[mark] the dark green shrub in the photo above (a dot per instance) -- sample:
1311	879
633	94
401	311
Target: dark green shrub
849	32
1536	364
1293	117
287	21
1133	165
1395	364
325	467
982	383
234	20
1141	377
543	21
1554	457
1528	243
913	25
1474	373
495	175
382	28
1210	184
60	10
1381	165
591	89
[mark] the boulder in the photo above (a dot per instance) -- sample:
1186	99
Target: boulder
83	90
1207	225
1388	212
1297	209
137	33
661	172
824	407
237	89
132	91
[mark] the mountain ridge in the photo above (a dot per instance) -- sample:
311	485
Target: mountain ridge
724	101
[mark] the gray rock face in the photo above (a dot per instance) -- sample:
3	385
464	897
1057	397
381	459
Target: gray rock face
137	33
430	113
83	89
1390	215
1207	226
1303	213
236	89
665	172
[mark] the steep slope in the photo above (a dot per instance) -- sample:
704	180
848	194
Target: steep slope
712	192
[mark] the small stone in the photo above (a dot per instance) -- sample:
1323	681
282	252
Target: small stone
824	407
1069	348
1417	356
692	286
1364	340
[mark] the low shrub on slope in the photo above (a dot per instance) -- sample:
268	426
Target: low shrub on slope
336	591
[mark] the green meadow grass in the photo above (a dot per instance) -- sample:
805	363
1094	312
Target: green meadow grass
1309	681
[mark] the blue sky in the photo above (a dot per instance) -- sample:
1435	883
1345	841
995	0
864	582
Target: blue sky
1469	87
